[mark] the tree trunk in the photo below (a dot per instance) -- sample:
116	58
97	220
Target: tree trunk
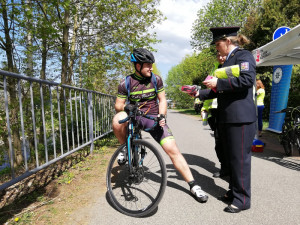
73	47
11	87
65	49
29	55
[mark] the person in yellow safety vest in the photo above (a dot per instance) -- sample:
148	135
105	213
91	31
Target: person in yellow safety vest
210	106
260	104
197	105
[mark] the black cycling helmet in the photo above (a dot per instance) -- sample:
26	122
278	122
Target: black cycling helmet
142	55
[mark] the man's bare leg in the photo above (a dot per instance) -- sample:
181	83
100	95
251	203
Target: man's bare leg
182	167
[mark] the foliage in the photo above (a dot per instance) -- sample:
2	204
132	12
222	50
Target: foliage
264	20
219	13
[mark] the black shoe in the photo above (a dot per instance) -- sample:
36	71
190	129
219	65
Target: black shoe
230	209
225	199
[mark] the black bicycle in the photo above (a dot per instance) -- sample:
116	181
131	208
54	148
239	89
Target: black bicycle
290	135
136	175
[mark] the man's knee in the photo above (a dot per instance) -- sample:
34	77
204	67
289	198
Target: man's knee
171	148
119	116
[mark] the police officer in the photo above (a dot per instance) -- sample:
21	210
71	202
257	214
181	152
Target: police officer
236	113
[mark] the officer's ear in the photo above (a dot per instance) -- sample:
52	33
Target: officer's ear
228	41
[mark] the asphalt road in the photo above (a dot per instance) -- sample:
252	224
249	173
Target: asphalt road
275	186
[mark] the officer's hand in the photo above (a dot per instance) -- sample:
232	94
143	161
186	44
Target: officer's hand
194	95
212	83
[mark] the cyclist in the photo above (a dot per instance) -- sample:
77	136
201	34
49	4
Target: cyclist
152	100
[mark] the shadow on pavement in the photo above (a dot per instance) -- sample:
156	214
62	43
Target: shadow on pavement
274	152
287	162
111	204
207	183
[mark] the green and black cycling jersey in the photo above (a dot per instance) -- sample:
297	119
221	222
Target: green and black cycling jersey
142	90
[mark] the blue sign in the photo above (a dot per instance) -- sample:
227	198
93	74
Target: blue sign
280	89
280	31
279	96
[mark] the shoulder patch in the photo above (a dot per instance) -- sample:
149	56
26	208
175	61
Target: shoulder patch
245	66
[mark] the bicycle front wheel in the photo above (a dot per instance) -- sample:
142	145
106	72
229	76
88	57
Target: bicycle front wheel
138	193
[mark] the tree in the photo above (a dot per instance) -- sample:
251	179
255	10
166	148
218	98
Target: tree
219	13
117	27
9	12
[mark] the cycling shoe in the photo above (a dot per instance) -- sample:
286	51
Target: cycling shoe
199	194
122	157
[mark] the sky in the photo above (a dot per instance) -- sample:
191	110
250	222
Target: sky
175	32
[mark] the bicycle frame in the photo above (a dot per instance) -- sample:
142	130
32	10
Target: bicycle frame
134	133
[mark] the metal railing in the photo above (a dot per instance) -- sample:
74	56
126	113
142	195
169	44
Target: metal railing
42	122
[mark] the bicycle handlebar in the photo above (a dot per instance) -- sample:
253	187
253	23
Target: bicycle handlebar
284	110
134	111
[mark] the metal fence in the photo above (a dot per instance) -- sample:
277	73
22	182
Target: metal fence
42	122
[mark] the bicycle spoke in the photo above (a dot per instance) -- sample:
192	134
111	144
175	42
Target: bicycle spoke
135	194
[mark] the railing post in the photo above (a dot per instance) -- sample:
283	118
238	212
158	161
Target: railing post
90	115
11	150
22	126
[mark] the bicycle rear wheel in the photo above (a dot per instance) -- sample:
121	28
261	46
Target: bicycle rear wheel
287	142
137	194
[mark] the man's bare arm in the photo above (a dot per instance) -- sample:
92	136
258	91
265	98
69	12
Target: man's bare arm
120	104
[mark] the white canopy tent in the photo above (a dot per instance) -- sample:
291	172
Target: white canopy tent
285	50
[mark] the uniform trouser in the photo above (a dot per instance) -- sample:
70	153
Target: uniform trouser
220	150
219	147
238	139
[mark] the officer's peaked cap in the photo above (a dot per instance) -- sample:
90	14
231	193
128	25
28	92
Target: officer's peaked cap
223	32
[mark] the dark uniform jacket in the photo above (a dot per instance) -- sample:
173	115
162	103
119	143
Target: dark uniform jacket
235	95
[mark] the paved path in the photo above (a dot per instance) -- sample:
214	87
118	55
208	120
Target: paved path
275	186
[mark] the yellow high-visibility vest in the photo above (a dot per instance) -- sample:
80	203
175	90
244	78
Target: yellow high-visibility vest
228	72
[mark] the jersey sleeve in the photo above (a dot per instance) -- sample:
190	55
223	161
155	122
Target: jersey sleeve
122	91
160	84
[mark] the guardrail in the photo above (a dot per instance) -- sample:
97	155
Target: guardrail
42	122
